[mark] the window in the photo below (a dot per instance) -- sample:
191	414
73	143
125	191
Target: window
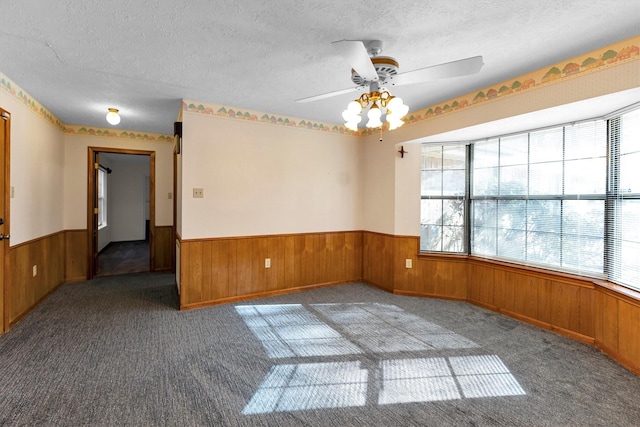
102	197
539	197
443	198
624	207
565	198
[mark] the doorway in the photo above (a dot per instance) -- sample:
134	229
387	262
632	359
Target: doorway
121	211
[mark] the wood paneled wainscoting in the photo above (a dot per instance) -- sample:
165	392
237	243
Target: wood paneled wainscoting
598	313
385	265
617	324
554	301
378	266
222	270
76	257
164	248
37	269
591	311
40	265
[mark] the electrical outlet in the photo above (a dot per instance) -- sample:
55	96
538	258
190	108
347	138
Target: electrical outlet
198	193
35	270
170	195
267	263
13	192
408	263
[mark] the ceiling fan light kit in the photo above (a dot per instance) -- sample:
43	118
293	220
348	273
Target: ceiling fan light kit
372	72
394	108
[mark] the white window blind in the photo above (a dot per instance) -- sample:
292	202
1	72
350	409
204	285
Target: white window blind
623	221
442	207
539	197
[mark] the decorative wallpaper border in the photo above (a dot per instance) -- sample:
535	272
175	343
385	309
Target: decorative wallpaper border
262	117
7	85
110	133
10	87
612	55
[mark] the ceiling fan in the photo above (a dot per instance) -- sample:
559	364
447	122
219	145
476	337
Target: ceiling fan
374	71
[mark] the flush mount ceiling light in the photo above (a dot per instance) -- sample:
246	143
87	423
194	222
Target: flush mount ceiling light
373	73
113	117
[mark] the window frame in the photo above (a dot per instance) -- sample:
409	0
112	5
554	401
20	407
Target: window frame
528	194
101	192
463	198
616	198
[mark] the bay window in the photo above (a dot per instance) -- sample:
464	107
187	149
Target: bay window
565	198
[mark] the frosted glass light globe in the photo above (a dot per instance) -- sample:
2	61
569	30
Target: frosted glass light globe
354	107
113	117
394	103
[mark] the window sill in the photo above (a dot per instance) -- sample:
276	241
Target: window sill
629	295
443	255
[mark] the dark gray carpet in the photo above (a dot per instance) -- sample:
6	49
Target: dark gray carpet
115	351
123	258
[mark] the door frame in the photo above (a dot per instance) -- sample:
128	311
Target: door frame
92	188
6	194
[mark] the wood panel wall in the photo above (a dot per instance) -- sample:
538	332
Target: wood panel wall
617	326
221	270
561	303
75	255
385	257
228	269
590	311
25	290
378	266
164	248
60	257
596	313
443	276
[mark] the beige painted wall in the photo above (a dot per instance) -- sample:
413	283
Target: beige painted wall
126	215
37	173
75	176
378	182
261	179
49	173
407	190
391	187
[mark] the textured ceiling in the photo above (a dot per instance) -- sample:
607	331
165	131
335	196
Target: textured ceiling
79	57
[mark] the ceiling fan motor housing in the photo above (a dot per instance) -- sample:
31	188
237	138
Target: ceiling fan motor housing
385	67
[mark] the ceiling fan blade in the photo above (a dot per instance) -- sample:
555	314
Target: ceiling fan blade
462	67
327	95
355	52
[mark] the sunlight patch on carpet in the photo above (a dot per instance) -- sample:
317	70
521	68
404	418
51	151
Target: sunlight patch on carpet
360	331
310	386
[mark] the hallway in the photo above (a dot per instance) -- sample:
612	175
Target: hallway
123	258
